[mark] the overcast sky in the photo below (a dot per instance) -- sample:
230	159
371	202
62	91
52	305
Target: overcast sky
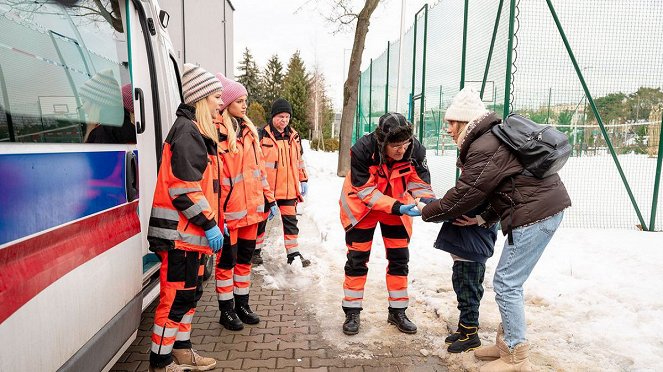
284	26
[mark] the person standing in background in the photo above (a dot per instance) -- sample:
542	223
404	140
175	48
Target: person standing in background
287	177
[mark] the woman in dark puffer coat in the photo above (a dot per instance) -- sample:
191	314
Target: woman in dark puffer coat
530	210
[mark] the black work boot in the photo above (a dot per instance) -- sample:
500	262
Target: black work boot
453	337
468	339
291	258
398	318
351	324
229	319
244	312
256	259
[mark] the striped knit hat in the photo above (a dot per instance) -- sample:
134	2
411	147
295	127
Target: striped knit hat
102	89
198	84
231	90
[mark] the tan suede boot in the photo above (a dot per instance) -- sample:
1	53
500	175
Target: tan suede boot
172	367
516	360
189	360
490	352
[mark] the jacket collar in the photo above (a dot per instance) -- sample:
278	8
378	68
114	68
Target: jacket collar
287	132
475	129
186	111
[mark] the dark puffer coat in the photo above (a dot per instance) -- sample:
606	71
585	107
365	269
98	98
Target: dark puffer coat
491	172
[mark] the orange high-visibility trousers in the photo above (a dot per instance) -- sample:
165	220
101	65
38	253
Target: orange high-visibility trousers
359	241
288	211
233	264
181	279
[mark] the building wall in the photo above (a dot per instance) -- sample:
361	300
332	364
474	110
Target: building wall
202	33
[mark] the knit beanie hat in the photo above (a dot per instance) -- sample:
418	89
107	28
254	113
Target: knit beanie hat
466	106
198	84
281	105
231	90
102	89
393	128
127	97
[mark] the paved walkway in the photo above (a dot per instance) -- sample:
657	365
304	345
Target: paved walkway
288	338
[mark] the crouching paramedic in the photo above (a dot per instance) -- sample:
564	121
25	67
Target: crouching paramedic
185	220
388	170
287	177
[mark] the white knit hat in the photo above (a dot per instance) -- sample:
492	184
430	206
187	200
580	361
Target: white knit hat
198	83
466	106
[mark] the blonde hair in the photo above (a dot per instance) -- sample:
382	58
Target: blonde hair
229	122
204	120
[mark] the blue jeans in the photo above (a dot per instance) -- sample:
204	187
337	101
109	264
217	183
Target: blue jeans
515	266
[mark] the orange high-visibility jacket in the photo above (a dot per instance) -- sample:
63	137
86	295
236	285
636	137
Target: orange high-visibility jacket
283	161
186	198
371	184
245	193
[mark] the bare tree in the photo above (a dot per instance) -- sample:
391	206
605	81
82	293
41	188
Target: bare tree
84	10
345	16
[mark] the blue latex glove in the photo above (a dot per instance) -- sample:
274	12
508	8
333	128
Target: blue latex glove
304	188
410	210
273	211
214	238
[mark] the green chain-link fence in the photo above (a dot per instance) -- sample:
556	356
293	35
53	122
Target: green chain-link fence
565	61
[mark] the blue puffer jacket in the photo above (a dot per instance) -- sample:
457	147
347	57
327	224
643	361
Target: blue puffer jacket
473	243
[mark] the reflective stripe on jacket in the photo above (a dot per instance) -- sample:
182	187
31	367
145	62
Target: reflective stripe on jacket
245	192
284	162
186	198
373	185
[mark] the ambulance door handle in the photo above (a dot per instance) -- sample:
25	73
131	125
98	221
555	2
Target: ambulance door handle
140	125
131	179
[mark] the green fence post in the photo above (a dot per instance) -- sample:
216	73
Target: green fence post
657	180
370	97
422	109
386	84
464	50
358	111
509	60
549	98
596	113
490	51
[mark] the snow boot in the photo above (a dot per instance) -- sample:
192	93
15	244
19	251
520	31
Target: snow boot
453	337
256	259
398	318
468	340
229	319
189	360
516	360
490	352
243	310
351	324
291	259
172	367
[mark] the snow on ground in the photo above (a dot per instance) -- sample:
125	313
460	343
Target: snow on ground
593	303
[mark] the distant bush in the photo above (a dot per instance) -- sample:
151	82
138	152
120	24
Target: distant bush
331	145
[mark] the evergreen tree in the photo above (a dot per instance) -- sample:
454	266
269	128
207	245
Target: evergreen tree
272	82
249	75
296	91
256	113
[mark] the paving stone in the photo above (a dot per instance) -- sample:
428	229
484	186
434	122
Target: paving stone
258	363
289	362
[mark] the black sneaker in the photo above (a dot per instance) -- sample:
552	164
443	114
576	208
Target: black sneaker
401	321
452	337
230	321
351	324
256	259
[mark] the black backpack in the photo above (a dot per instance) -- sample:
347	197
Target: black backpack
541	149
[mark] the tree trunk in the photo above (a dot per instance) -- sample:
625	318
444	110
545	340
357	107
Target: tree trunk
350	87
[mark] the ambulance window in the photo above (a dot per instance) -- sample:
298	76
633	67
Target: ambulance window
63	74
